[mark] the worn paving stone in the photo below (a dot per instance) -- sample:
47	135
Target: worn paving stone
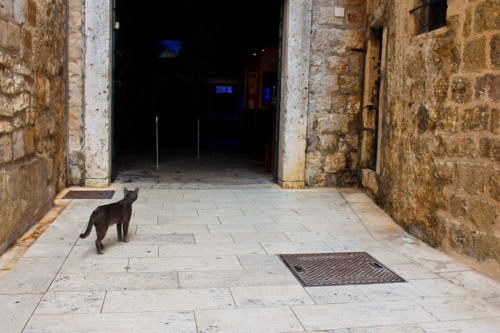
259	261
17	309
336	294
231	228
169	321
390	291
439	288
366	314
196	250
279	227
134	301
204	263
486	325
49	250
289	247
96	263
236	278
259	237
213	238
457	308
30	276
252	320
71	302
270	296
114	281
188	220
172	229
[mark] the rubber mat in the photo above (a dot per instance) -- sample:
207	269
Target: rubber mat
89	195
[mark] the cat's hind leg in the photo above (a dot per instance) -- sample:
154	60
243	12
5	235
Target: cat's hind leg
99	246
98	242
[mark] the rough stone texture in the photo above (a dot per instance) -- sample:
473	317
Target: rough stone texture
495	185
475	244
475	119
488	88
490	149
475	55
459	206
76	138
483	213
495	52
334	114
439	172
32	113
461	90
487	16
294	98
97	94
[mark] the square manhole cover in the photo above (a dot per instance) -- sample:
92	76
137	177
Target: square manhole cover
89	195
340	268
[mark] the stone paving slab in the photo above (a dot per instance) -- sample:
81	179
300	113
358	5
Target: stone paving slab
114	281
205	259
134	301
366	314
250	320
168	322
236	278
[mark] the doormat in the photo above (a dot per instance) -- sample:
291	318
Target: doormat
339	268
89	195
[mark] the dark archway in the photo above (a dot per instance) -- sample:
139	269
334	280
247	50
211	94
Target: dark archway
185	61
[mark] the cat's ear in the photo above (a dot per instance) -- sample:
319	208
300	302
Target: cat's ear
136	190
125	191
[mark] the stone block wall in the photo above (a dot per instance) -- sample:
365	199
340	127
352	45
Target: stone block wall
336	71
32	112
440	158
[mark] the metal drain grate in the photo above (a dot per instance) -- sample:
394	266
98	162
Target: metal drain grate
89	195
331	269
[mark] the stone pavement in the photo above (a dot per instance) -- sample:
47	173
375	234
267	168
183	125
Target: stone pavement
204	259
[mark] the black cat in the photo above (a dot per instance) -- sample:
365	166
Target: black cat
104	216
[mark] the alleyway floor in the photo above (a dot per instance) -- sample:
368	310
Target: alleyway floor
203	258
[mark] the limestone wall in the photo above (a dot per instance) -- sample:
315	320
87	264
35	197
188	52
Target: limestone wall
76	67
32	112
335	89
439	170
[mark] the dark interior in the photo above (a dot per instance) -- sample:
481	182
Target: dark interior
187	62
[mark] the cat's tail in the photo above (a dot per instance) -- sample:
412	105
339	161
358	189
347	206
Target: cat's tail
89	227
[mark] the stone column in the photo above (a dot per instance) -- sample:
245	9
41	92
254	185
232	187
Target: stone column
98	93
294	93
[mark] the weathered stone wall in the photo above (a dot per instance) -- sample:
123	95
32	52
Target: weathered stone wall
335	92
32	112
440	160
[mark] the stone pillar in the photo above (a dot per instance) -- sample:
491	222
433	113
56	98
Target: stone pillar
294	93
76	79
98	93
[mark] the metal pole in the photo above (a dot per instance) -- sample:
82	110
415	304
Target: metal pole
157	142
198	137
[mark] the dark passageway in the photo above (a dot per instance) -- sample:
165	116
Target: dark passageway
207	67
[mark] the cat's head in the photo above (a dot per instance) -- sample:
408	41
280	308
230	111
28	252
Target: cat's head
131	195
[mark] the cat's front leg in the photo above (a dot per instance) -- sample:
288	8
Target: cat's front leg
125	231
122	237
119	230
